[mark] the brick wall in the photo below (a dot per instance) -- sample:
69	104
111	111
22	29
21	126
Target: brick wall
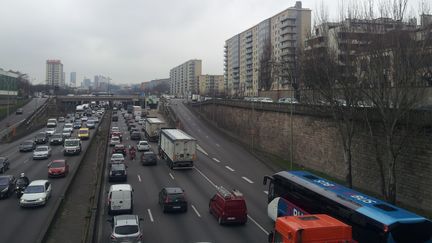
316	145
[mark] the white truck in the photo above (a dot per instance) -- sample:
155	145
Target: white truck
177	148
72	146
152	127
137	110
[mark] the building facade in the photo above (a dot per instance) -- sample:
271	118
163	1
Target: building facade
211	85
54	74
8	87
184	78
282	35
72	81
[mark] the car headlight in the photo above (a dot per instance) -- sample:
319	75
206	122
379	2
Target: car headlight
22	200
41	199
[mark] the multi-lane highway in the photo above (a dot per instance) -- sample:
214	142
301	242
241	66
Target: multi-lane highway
220	163
26	225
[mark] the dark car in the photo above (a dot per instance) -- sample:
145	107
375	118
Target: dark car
19	111
148	158
7	185
134	129
119	148
136	136
58	168
117	172
115	118
57	139
4	164
28	145
173	199
41	138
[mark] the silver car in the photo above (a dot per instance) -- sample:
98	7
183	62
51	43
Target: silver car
117	158
42	152
36	194
126	228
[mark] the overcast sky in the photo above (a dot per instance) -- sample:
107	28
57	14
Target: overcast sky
130	41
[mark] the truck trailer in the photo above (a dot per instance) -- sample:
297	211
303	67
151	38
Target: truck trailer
177	148
152	127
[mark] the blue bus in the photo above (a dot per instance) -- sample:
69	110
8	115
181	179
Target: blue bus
372	220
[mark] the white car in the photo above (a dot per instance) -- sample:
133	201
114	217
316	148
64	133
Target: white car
68	127
114	140
36	194
141	121
117	158
66	133
50	131
84	118
143	146
42	152
115	129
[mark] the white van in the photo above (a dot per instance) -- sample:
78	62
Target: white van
120	199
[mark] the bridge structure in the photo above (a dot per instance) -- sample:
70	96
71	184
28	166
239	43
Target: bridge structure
70	102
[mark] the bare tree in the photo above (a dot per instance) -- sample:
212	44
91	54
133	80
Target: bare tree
266	65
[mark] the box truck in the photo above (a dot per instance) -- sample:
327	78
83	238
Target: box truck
152	127
177	148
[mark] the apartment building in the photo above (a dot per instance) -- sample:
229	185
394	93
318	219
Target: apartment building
211	85
54	74
283	34
184	78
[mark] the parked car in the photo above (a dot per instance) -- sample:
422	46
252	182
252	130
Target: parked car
117	158
28	145
7	185
117	172
57	139
114	140
148	158
36	193
19	111
4	164
143	146
58	168
288	100
228	206
120	199
126	228
265	100
173	199
119	148
41	138
136	135
42	152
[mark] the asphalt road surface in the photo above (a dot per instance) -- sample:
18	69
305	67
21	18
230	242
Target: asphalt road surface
220	163
25	225
28	109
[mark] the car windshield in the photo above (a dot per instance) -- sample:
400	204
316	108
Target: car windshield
67	125
176	197
27	143
57	165
143	143
41	149
57	136
82	131
117	156
116	167
150	156
4	181
71	143
34	189
115	139
126	229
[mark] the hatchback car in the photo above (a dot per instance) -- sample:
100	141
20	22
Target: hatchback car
27	145
135	136
119	148
42	152
7	185
58	168
50	131
114	140
117	158
41	138
36	193
228	206
61	119
117	173
148	158
57	139
126	228
143	146
173	199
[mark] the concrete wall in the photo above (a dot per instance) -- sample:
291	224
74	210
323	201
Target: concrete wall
316	145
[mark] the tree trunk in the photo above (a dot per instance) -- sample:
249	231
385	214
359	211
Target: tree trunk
348	165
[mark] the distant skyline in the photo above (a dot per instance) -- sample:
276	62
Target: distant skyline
132	41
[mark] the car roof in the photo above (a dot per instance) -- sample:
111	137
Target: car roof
84	128
59	160
42	146
38	183
57	134
148	152
118	154
126	219
118	166
173	190
118	145
121	187
143	141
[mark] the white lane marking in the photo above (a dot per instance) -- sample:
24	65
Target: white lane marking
139	178
229	168
217	145
27	160
201	150
150	215
196	211
205	177
172	177
259	226
216	160
266	192
247	179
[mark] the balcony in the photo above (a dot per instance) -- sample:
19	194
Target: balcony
288	30
289	22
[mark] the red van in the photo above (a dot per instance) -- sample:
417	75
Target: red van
228	206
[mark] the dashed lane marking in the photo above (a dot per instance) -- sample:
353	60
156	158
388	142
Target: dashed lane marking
201	150
139	178
196	211
217	145
247	179
229	168
205	177
172	177
266	192
150	215
259	226
216	160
